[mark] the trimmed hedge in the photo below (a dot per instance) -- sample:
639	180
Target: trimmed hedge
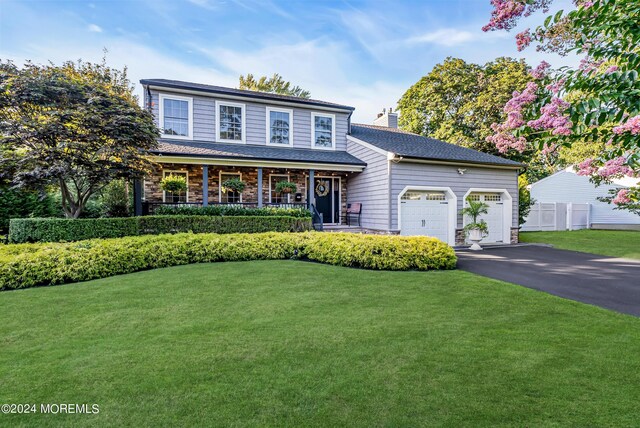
63	230
226	210
28	265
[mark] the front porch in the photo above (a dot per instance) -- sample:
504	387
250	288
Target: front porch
323	190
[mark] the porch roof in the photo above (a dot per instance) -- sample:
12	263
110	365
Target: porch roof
204	149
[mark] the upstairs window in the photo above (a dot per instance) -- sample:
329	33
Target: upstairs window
279	127
231	122
176	116
323	135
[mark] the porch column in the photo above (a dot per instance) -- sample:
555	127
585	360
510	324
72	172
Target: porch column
312	185
260	187
137	197
205	185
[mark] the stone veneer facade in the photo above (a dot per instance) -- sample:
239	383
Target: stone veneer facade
249	175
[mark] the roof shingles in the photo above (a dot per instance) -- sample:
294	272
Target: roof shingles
416	146
251	151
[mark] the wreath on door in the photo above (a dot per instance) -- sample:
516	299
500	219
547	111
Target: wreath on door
322	188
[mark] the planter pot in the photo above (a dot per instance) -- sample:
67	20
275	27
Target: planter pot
287	190
475	236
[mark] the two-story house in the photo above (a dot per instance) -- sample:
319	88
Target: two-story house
405	183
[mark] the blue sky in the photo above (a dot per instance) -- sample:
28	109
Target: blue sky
364	54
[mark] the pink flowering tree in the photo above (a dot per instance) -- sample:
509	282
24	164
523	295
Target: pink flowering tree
598	101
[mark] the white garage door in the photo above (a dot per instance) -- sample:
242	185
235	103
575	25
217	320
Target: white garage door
424	213
495	216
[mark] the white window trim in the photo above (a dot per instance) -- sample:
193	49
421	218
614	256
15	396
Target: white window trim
189	100
288	194
268	126
172	171
244	121
313	130
220	173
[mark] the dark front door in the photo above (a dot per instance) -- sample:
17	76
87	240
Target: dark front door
324	198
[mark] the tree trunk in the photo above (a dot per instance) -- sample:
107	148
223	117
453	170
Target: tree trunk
72	206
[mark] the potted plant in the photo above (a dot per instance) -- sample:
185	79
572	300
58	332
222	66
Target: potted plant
174	184
233	185
286	187
476	230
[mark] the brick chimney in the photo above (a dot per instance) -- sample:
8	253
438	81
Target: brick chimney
387	118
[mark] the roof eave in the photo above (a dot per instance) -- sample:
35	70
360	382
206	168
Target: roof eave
259	96
402	158
360	165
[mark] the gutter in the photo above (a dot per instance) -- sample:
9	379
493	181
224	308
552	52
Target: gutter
398	158
241	95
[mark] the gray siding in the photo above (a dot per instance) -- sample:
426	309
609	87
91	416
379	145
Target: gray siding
418	174
370	187
204	121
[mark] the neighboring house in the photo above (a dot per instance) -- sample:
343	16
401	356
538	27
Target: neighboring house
407	183
567	186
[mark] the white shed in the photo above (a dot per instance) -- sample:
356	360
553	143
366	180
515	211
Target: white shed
567	186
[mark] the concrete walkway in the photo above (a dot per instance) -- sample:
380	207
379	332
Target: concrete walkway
608	282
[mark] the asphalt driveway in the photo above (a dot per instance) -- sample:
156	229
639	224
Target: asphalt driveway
607	282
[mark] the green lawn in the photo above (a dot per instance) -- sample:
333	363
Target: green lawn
276	343
615	243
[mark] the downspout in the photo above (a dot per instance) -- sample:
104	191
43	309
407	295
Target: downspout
391	159
149	103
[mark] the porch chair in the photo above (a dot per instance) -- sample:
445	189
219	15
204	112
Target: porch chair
354	210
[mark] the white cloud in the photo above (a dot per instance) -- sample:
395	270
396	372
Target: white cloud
141	61
204	4
94	28
444	37
323	67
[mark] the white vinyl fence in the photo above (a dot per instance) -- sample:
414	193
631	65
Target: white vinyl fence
550	216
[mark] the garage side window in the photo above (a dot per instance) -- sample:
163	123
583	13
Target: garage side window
435	196
411	196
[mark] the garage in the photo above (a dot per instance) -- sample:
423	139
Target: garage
496	215
428	212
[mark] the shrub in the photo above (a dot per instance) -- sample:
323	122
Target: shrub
64	229
28	265
18	203
524	200
60	230
229	210
380	252
114	199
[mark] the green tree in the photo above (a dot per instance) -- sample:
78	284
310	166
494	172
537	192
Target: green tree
114	199
20	203
274	84
77	126
457	101
606	33
524	199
